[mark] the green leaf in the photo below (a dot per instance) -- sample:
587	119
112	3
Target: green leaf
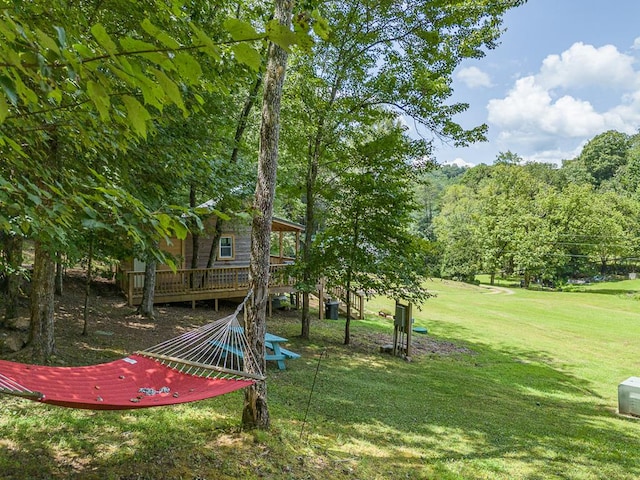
247	55
103	38
320	25
83	50
62	36
180	230
209	47
280	34
171	90
146	50
46	41
137	115
24	92
4	109
56	95
7	31
100	99
188	68
163	37
240	30
9	89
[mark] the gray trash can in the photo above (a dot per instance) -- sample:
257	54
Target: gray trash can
331	310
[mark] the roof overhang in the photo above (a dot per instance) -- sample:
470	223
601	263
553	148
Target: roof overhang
281	225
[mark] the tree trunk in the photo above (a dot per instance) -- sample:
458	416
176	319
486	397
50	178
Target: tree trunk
41	335
213	252
13	257
347	324
244	116
307	280
356	241
87	289
195	237
59	274
314	152
148	290
256	413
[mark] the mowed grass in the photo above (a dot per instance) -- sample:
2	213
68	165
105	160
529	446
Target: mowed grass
535	398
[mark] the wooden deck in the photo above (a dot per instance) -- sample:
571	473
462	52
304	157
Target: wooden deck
201	284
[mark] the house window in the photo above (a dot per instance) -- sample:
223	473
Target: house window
225	251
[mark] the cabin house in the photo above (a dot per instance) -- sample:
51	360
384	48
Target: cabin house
225	247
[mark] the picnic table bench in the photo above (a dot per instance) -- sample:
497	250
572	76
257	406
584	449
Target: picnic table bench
274	352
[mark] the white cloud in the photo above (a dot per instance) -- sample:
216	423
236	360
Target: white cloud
473	77
586	65
636	44
459	162
541	112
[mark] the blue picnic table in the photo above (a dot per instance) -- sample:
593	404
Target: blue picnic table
274	352
278	354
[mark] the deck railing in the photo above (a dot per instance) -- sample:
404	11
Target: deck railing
356	298
200	283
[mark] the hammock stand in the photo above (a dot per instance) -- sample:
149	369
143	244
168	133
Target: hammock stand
206	362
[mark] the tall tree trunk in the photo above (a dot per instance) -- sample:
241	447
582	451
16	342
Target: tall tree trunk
256	412
195	237
307	274
87	289
13	257
315	147
356	241
213	252
148	290
347	324
244	116
59	274
41	335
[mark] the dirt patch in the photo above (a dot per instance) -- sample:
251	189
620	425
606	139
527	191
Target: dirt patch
115	330
421	345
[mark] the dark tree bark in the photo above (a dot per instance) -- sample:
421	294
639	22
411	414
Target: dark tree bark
194	235
41	334
148	291
13	257
87	288
59	274
307	276
244	116
213	252
256	412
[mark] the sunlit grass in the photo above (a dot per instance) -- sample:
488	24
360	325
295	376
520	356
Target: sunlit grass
534	399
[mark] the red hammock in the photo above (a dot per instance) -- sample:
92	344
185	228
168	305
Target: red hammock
133	382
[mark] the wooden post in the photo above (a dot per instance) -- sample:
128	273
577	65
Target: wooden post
409	327
131	280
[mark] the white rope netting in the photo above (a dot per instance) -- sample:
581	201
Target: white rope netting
218	349
7	385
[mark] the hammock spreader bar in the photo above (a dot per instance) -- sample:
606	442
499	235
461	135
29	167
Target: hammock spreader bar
211	360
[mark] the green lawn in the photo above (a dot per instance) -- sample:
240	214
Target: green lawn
536	399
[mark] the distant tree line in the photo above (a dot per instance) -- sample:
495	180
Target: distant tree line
537	221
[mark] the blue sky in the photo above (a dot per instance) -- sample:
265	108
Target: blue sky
565	71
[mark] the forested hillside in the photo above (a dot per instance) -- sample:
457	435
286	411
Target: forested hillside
542	222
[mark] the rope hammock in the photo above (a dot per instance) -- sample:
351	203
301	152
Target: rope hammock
206	362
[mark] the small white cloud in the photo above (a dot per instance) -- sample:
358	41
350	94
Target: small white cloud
459	162
636	44
473	77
